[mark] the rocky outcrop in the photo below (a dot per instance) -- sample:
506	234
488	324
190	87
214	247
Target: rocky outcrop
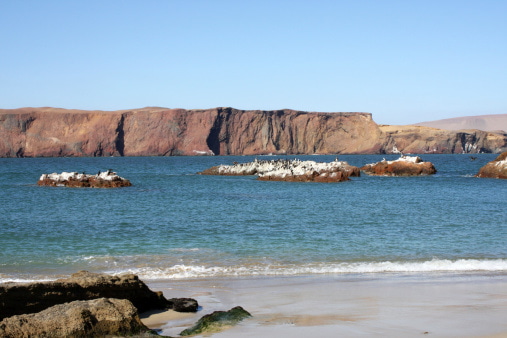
288	170
106	179
94	318
496	168
19	298
424	140
36	132
183	304
217	321
404	166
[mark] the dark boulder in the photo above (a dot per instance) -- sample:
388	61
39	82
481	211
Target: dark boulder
217	321
22	298
183	304
93	318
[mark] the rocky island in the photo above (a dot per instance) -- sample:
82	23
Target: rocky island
107	179
496	168
289	170
404	166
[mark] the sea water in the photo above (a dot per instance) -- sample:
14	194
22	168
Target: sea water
173	223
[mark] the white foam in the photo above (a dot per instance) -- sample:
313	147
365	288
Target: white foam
25	280
204	152
182	271
184	249
156	270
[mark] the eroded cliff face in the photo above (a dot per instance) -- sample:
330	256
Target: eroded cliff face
165	132
32	132
58	132
238	132
421	140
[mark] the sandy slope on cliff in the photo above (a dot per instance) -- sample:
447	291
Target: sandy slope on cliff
482	122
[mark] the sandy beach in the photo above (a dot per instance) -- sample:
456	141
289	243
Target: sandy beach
394	305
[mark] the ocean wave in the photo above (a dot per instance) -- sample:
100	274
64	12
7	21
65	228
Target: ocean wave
27	279
160	269
182	271
184	249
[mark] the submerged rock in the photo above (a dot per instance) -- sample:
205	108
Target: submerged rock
404	166
496	168
22	298
289	170
183	304
107	179
93	318
217	321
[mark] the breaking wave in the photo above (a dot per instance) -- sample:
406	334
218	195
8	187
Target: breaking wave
182	271
156	268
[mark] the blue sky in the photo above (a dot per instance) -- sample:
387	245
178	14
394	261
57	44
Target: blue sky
403	61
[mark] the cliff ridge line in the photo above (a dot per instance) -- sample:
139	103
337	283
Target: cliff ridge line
157	131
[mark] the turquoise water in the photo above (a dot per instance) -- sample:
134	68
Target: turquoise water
173	223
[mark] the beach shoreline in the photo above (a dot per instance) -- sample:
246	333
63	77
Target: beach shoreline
395	305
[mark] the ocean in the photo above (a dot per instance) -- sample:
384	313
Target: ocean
175	224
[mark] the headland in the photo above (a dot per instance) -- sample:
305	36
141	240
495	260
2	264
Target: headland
153	131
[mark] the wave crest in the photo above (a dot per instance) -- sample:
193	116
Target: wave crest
182	271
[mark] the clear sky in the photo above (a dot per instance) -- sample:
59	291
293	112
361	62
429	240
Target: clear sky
403	61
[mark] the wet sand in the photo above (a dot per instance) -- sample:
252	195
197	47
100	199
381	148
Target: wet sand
438	305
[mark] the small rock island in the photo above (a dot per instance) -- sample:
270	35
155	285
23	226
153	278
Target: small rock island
288	170
107	179
496	168
404	166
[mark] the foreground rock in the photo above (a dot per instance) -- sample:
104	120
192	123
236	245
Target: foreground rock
217	321
404	166
20	298
289	170
93	318
106	179
496	168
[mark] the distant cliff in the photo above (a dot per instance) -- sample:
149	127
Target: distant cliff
34	132
496	123
421	140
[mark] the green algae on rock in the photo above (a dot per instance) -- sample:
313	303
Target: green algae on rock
217	321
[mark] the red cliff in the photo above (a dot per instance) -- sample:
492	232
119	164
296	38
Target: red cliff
32	132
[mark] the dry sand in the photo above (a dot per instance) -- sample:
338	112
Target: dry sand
438	305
